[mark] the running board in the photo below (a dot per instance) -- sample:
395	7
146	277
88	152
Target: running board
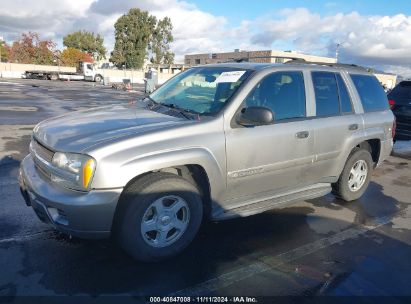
278	201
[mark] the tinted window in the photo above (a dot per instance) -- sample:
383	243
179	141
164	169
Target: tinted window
401	91
345	100
371	93
326	93
281	92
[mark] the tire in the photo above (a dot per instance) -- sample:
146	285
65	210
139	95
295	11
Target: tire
98	78
346	190
147	204
54	77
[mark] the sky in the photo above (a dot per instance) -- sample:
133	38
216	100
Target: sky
372	33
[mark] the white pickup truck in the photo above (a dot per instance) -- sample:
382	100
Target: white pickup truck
85	71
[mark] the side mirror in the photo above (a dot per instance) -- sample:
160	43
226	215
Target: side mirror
255	116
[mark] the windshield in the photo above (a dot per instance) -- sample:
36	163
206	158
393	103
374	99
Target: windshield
203	90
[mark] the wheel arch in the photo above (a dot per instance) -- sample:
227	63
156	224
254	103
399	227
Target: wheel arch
193	173
373	145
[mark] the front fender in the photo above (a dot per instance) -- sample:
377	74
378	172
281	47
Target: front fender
120	176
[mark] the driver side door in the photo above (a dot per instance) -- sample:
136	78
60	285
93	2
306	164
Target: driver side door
269	159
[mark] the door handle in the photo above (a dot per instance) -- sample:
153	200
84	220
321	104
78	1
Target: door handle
353	127
302	134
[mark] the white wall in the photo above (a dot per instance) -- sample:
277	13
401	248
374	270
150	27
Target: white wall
16	70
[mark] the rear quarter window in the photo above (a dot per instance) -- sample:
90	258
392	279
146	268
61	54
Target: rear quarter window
372	95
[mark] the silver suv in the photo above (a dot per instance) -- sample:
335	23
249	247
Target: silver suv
214	142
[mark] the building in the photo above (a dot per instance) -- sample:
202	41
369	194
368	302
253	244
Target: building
272	56
267	56
387	80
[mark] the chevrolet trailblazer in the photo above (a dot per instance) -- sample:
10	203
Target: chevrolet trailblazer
214	142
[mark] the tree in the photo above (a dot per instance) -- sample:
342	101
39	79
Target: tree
4	51
86	42
30	49
71	57
133	32
160	42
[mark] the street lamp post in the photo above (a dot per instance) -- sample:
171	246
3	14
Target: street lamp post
337	51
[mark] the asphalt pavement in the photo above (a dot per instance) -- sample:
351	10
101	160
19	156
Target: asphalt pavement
319	247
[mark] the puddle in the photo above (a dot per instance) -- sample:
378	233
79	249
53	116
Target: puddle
324	220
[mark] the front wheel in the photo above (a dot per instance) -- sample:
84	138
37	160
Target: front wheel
98	78
160	217
356	175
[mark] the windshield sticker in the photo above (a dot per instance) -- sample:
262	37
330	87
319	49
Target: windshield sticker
232	76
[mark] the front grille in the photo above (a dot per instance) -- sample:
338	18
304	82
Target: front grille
41	151
42	157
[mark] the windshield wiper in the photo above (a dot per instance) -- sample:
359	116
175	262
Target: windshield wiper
152	102
172	106
181	110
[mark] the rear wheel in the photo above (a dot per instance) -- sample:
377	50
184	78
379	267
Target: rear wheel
356	175
161	215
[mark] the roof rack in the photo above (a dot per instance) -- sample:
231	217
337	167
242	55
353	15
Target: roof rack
330	64
293	60
247	59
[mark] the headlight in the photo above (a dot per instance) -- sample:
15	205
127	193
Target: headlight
73	170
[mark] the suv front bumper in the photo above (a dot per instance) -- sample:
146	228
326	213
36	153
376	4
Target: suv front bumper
82	214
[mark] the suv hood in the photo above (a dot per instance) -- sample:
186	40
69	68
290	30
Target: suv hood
79	130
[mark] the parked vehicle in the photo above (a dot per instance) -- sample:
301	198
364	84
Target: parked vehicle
85	71
214	142
400	103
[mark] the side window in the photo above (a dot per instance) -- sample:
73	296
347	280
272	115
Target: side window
371	93
326	93
345	100
281	92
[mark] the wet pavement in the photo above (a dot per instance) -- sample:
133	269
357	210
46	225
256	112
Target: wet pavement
316	247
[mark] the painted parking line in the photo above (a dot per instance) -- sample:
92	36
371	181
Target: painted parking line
267	262
25	237
8	182
18	108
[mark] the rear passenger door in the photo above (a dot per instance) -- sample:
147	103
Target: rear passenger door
335	123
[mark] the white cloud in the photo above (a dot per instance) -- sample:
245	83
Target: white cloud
48	17
378	41
195	30
370	40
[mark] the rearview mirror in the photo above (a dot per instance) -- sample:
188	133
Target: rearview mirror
255	116
210	78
